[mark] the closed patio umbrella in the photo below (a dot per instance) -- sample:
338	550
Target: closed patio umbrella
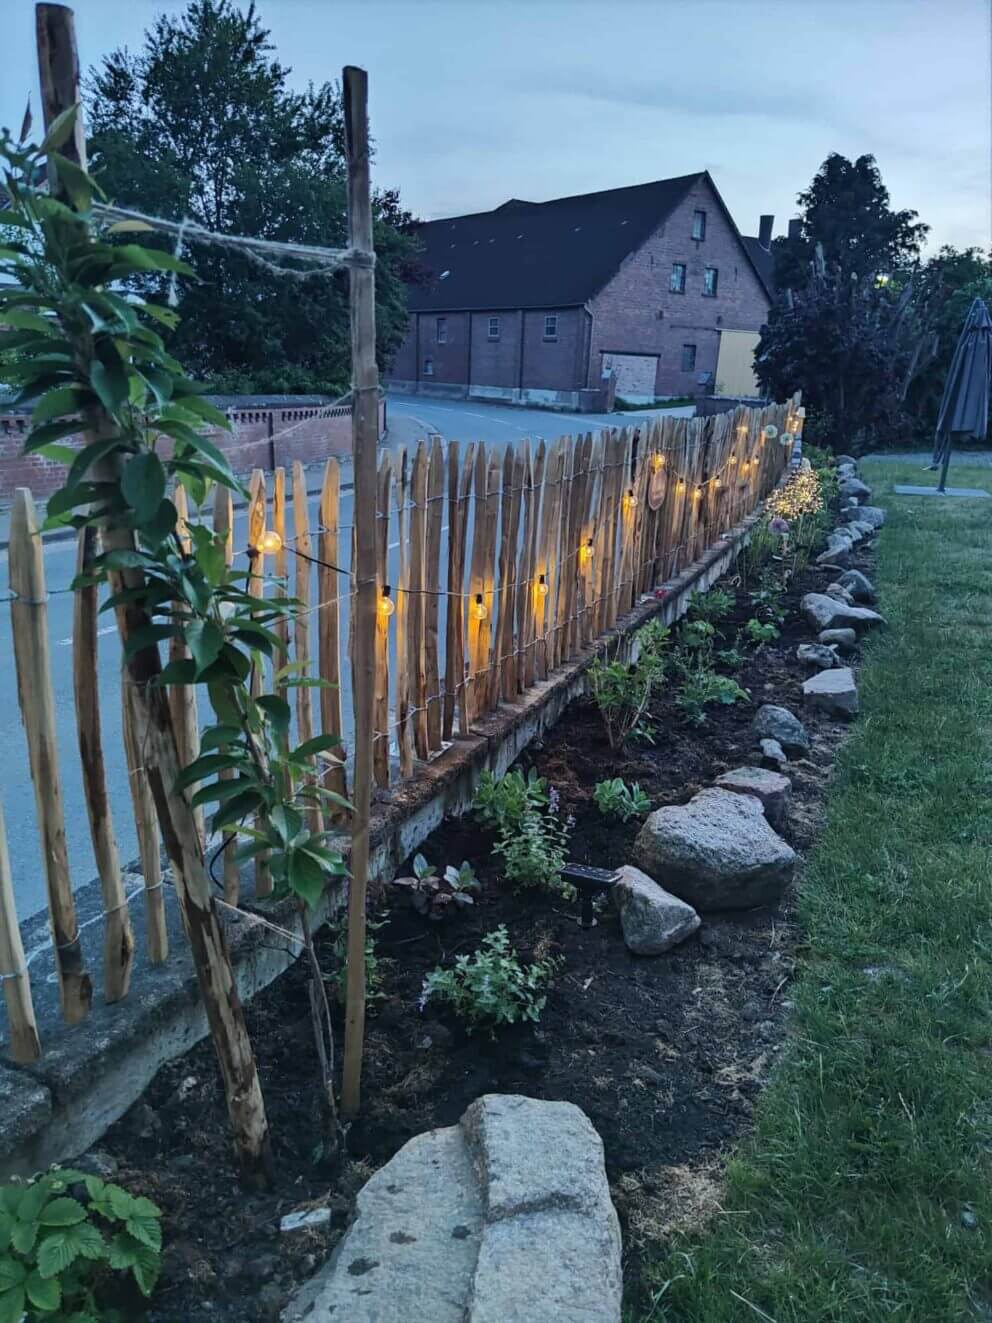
964	408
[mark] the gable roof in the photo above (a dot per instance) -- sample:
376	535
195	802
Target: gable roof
540	254
762	261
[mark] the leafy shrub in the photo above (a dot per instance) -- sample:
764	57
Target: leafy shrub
502	802
436	897
654	638
375	965
615	799
768	600
622	693
711	606
56	1248
534	852
761	632
732	658
491	987
703	687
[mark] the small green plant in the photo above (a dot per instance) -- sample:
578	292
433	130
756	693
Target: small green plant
615	799
375	965
436	897
768	599
622	693
732	658
711	606
502	802
760	632
654	638
533	853
491	988
704	687
57	1248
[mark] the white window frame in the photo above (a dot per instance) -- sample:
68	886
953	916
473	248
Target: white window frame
494	329
428	366
680	267
551	326
441	330
707	272
699	222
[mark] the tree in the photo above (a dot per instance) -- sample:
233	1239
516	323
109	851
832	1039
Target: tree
851	327
203	124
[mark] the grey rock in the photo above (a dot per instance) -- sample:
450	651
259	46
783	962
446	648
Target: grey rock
849	503
853	531
505	1216
652	919
97	1163
838	551
872	514
840	592
772	790
844	640
969	1219
858	585
856	488
717	852
833	692
825	612
773	753
816	656
862	526
778	723
847	459
25	1107
305	1218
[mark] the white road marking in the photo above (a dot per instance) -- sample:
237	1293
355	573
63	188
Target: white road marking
107	629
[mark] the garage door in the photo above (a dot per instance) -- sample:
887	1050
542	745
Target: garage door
635	374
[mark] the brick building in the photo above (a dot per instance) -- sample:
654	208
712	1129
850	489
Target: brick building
537	302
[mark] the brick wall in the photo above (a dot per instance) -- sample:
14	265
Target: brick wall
625	312
308	434
557	364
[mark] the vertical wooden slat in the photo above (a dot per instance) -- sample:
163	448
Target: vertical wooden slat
417	620
432	599
587	539
380	750
489	686
29	623
256	588
280	626
524	566
573	552
453	614
458	506
330	586
612	486
146	825
547	556
478	629
24	1042
182	697
224	529
118	936
527	620
404	740
564	571
301	621
505	675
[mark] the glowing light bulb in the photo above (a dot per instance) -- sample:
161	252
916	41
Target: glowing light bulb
271	542
745	466
697	493
542	586
681	488
386	604
630	500
716	483
658	462
733	458
479	607
586	552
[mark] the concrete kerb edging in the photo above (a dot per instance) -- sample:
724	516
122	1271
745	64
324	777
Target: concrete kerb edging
90	1074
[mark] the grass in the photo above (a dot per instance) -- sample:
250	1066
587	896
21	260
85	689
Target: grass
865	1192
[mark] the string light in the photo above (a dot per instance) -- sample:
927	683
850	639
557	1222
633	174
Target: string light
630	500
658	461
801	496
586	552
479	607
271	543
697	493
542	586
681	486
716	483
733	458
386	604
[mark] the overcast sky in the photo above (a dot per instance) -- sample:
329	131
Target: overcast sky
475	101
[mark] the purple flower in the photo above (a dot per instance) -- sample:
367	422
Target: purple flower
425	992
553	799
778	525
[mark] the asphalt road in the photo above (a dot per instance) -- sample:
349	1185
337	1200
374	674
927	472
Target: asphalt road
410	418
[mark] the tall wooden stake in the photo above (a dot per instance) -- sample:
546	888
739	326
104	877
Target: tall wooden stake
365	440
58	67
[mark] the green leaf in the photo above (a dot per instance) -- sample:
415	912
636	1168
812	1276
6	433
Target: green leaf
12	1273
164	315
146	1270
277	710
60	129
45	1293
64	1212
237	807
23	1235
144	1226
57	403
319	744
305	875
87	1240
109	381
160	526
143	484
131	227
12	1305
204	409
29	321
151	259
206	766
223	790
218	737
205	640
76	182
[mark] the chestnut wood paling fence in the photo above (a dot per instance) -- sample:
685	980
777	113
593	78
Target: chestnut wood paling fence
547	546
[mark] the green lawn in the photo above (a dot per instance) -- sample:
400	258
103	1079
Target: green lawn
865	1191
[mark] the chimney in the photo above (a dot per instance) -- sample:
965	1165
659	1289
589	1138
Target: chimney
765	226
795	228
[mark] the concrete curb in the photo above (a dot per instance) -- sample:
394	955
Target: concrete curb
91	1073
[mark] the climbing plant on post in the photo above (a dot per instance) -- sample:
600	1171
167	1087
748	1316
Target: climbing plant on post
84	349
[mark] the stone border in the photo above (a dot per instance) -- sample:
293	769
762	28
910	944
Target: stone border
90	1074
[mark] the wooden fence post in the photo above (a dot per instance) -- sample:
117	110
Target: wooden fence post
118	936
416	645
182	697
24	1043
401	616
432	598
224	526
380	749
301	621
256	588
329	624
365	438
29	623
146	825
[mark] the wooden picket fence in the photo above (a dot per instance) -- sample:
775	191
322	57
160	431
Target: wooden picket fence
546	546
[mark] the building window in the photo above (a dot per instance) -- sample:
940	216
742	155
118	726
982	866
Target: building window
551	326
428	367
699	224
688	358
442	330
709	282
677	282
493	328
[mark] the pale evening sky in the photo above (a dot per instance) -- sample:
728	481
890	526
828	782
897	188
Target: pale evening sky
475	101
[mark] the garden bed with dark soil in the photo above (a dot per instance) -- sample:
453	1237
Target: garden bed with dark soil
665	1054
